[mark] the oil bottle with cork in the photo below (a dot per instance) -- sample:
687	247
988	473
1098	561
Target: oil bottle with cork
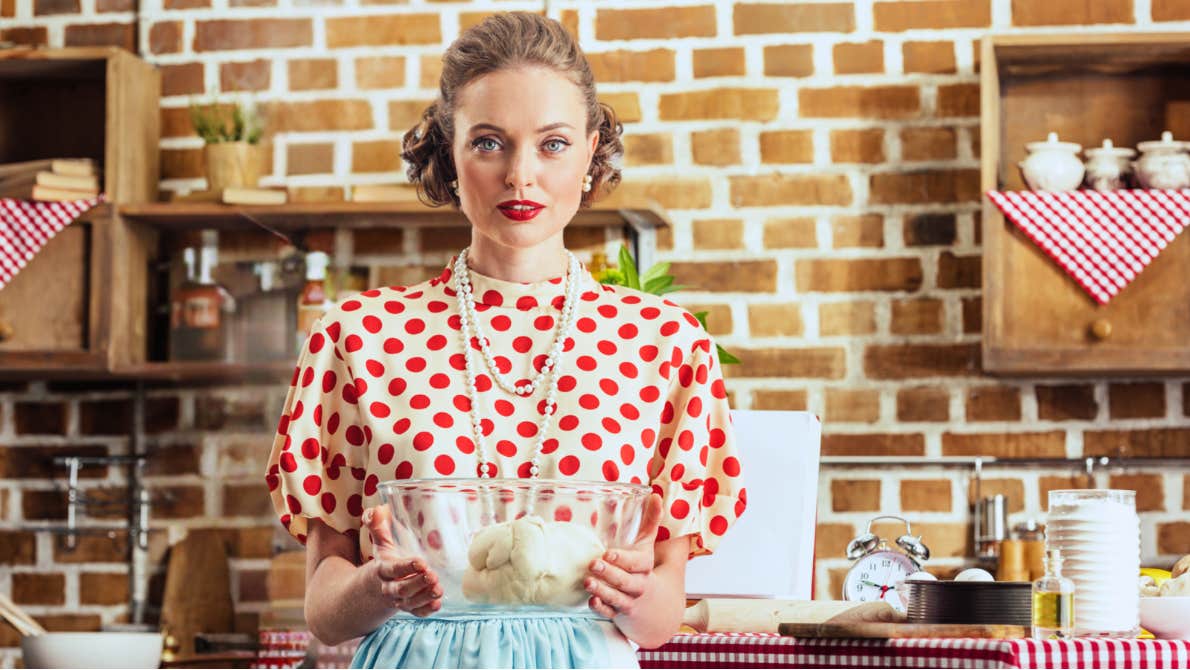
200	308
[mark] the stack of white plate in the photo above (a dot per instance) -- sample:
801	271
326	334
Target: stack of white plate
1098	533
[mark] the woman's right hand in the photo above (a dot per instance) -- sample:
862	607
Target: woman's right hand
408	582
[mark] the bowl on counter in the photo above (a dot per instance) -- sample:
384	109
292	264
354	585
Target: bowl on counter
1166	617
104	649
512	545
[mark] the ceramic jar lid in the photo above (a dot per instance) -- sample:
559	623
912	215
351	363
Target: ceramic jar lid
1051	143
1108	150
1166	143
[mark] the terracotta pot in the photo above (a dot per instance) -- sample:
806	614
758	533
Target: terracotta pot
233	164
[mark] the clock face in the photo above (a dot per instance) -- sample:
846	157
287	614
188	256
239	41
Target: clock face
874	578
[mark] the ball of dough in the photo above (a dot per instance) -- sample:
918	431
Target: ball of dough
1181	567
530	561
1148	587
1178	586
974	575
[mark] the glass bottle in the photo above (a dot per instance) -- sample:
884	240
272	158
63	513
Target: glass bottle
313	301
1053	601
199	309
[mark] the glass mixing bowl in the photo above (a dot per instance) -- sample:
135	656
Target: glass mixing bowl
512	545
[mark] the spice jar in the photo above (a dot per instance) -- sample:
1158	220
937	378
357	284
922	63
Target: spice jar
1052	165
1163	163
1108	167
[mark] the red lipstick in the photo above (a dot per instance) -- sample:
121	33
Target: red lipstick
520	210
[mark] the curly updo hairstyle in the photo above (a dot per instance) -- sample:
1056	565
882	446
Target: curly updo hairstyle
502	41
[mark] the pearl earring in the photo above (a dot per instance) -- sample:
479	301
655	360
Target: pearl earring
454	185
587	183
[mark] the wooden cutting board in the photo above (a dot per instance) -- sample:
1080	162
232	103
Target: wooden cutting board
902	630
197	589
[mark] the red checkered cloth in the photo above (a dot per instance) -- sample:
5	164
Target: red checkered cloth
1102	240
775	651
26	225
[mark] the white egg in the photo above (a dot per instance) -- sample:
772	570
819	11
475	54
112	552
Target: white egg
922	575
974	575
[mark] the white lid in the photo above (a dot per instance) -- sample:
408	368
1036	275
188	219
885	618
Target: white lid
1166	143
1107	149
1051	142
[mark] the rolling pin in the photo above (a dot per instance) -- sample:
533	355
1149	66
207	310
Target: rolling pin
761	615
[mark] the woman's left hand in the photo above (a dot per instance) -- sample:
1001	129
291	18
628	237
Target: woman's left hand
622	577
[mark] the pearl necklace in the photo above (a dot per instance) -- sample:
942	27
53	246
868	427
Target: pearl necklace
469	320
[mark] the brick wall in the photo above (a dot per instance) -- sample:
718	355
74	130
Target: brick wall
819	162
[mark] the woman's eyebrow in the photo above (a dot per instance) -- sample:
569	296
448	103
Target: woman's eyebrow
552	126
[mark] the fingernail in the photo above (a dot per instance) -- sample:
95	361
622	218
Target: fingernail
367	517
598	567
611	556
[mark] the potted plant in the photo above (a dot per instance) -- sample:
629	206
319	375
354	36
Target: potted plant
232	153
655	280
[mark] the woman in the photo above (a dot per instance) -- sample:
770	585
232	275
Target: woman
386	389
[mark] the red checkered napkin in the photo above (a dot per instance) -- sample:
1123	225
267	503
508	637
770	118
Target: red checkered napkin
1102	240
26	225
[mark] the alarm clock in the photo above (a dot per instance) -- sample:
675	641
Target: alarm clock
878	568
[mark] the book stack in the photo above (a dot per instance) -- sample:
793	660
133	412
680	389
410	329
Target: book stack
242	195
50	180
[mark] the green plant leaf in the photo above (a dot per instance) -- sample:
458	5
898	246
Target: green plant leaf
658	284
726	357
657	271
702	318
628	267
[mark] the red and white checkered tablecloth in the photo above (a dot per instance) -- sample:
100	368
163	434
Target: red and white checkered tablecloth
774	651
26	226
1102	240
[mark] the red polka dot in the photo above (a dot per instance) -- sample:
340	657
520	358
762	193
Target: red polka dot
650	313
647	436
439	381
686	440
588	401
455	322
458	362
372	324
606	347
375	367
566	383
401	426
610	425
312	484
586	324
611	471
328	381
731	466
627	454
501	323
294	504
415	364
568	422
694	407
419	401
504	408
679	509
586	363
526	302
628	370
414	326
332	424
608	311
506	448
549	446
544	323
328	502
503	364
526	429
404	470
396	387
311	448
355	505
385	453
393	346
394	306
522	344
354	343
351	305
491	297
609	386
307	377
648	353
379	410
437	306
423	441
444	464
443	420
463	403
718	525
464	444
563	513
592	441
316	342
667	413
717	438
436	343
370	485
627	331
568	465
629	412
669	328
355	435
685	376
677	472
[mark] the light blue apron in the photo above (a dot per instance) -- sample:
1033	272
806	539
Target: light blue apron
496	641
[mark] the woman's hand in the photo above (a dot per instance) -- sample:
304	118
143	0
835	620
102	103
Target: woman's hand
620	577
409	582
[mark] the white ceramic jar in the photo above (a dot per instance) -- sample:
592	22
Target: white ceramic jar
1108	167
1052	165
1163	163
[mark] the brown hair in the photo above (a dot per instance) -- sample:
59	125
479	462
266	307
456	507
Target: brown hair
502	41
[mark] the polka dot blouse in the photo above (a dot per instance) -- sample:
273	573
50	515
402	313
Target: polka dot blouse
380	393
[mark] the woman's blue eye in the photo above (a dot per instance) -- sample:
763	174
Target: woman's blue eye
558	145
486	144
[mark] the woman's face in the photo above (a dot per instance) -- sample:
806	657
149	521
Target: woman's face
521	151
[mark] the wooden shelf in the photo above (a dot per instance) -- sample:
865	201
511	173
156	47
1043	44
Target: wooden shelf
300	216
166	373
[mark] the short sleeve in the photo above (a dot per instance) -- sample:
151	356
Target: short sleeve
695	467
319	457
